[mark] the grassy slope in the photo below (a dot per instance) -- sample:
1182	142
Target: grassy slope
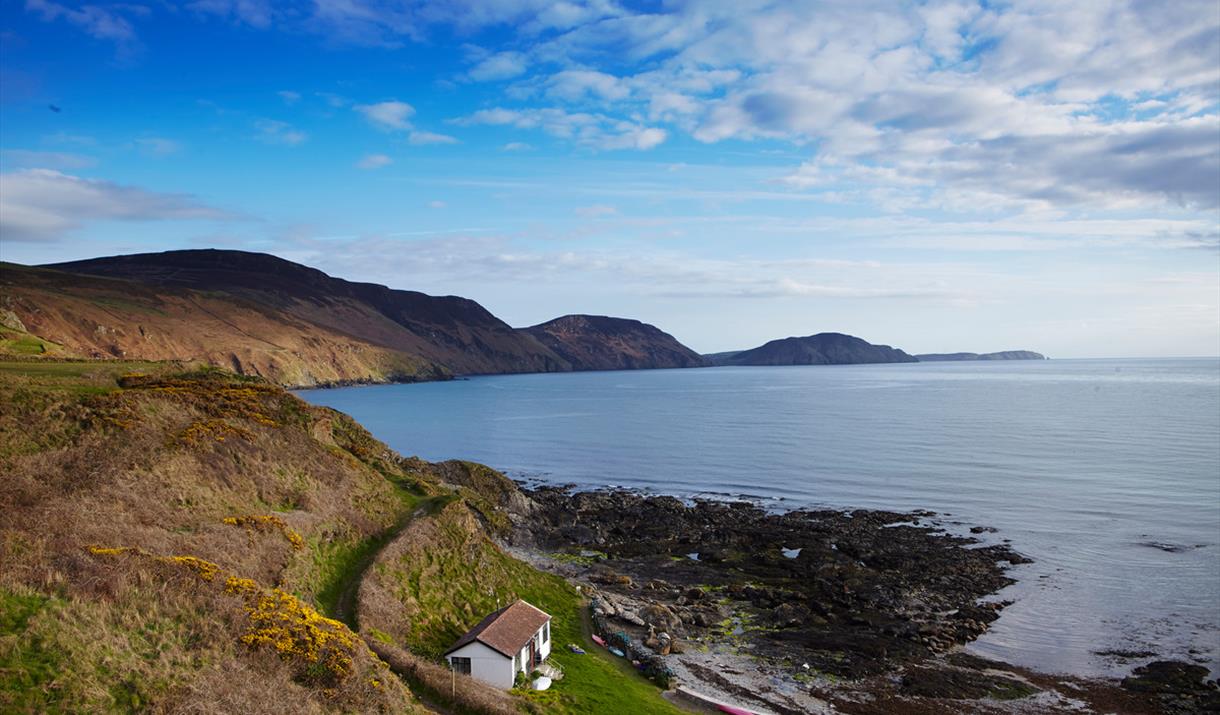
443	574
148	460
158	466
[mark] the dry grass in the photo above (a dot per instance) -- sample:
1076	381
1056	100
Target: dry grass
86	461
460	692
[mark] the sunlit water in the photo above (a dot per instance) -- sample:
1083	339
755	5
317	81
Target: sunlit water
1106	472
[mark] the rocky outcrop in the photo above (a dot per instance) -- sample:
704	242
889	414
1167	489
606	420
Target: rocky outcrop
598	342
849	593
820	349
1002	355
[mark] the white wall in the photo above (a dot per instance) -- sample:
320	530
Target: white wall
486	664
491	667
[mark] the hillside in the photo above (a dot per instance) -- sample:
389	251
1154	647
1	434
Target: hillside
1002	355
261	315
820	349
182	539
173	539
596	342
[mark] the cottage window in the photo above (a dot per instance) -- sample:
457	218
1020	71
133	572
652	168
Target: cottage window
461	665
546	632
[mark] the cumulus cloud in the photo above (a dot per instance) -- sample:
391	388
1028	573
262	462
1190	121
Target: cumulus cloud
374	161
391	115
43	204
599	131
500	66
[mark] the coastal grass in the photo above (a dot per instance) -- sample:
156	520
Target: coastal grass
120	475
443	575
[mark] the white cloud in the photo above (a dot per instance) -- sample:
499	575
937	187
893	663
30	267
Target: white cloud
422	138
516	146
597	131
390	116
273	131
374	161
502	65
289	96
42	204
437	204
98	22
578	85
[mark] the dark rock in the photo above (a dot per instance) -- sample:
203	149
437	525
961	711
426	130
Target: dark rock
962	684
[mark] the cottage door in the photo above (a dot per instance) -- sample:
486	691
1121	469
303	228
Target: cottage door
533	653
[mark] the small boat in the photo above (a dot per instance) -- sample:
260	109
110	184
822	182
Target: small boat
598	640
733	710
576	649
617	652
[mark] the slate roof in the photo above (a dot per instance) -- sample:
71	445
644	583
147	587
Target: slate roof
505	631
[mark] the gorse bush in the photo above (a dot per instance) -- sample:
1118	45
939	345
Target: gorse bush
320	649
267	523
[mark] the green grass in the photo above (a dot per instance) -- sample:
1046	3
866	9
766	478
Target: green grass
452	583
338	565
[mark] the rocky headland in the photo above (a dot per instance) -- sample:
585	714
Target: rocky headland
599	342
820	349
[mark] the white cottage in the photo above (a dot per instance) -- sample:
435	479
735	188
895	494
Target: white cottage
514	639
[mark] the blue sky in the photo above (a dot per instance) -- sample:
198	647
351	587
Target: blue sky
937	176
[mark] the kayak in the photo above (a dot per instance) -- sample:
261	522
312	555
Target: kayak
598	640
732	710
617	652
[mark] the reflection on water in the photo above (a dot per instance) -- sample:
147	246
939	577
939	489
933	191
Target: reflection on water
1106	472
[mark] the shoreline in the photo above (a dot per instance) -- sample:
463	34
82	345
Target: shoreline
764	654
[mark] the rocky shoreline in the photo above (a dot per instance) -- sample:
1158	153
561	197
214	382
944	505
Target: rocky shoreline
811	610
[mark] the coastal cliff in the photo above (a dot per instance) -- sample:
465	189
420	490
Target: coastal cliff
598	342
257	314
820	349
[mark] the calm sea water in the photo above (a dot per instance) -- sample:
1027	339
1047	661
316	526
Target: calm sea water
1106	472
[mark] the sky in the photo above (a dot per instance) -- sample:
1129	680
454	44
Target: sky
937	176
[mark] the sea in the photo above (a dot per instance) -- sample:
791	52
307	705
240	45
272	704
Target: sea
1105	472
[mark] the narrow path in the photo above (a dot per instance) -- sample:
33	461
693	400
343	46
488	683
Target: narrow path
347	604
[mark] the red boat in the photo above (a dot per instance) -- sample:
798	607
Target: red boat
598	640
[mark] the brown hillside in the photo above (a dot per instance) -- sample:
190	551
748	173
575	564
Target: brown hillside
597	342
170	540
